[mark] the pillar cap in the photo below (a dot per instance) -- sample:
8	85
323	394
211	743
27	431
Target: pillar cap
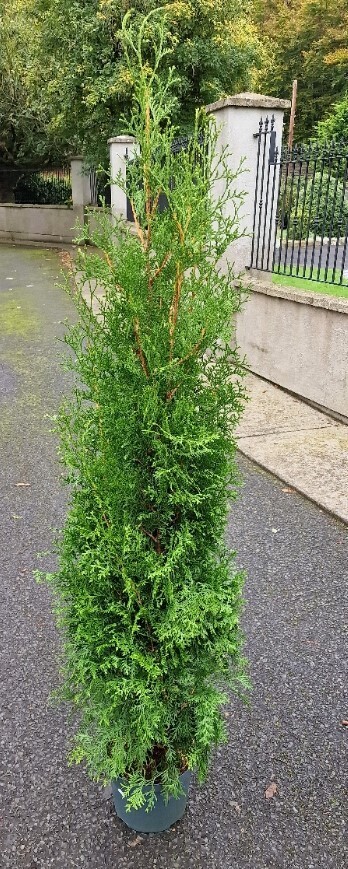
121	140
249	101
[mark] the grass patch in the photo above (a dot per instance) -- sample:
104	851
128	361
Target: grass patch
301	283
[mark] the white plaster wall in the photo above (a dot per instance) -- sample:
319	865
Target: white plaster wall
298	341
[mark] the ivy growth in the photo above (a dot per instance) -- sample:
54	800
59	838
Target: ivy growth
148	595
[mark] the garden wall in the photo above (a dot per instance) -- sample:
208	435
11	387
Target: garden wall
298	340
39	223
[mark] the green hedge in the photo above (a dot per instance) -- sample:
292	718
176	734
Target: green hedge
39	189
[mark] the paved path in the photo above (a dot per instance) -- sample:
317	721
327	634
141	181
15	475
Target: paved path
296	626
305	448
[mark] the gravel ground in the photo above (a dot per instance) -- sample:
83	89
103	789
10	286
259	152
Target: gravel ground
295	622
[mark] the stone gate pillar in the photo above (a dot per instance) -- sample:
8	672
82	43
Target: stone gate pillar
238	121
80	183
122	149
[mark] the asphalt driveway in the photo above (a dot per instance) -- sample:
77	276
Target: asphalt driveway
276	794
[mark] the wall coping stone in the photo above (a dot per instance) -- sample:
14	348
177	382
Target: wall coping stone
62	207
316	300
249	100
123	140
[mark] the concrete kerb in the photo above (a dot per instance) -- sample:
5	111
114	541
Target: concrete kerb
299	444
313	498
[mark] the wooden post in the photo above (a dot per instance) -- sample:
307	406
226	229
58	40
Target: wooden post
293	114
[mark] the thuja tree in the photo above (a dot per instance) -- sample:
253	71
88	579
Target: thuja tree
148	594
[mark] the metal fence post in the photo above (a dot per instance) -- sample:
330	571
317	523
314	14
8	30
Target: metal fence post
238	119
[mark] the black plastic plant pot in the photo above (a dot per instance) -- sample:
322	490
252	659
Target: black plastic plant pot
158	819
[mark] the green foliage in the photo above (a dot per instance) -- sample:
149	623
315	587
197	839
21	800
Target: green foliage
41	189
65	84
213	48
335	126
304	40
24	103
319	206
148	595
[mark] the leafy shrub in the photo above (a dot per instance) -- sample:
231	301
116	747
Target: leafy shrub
149	596
335	125
319	206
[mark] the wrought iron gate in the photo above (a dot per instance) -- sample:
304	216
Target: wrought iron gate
301	209
266	193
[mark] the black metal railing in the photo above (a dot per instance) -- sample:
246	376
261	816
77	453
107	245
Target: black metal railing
301	210
312	214
266	191
27	186
181	143
100	188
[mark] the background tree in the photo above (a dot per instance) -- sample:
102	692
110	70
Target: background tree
306	39
214	49
335	126
64	83
24	103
